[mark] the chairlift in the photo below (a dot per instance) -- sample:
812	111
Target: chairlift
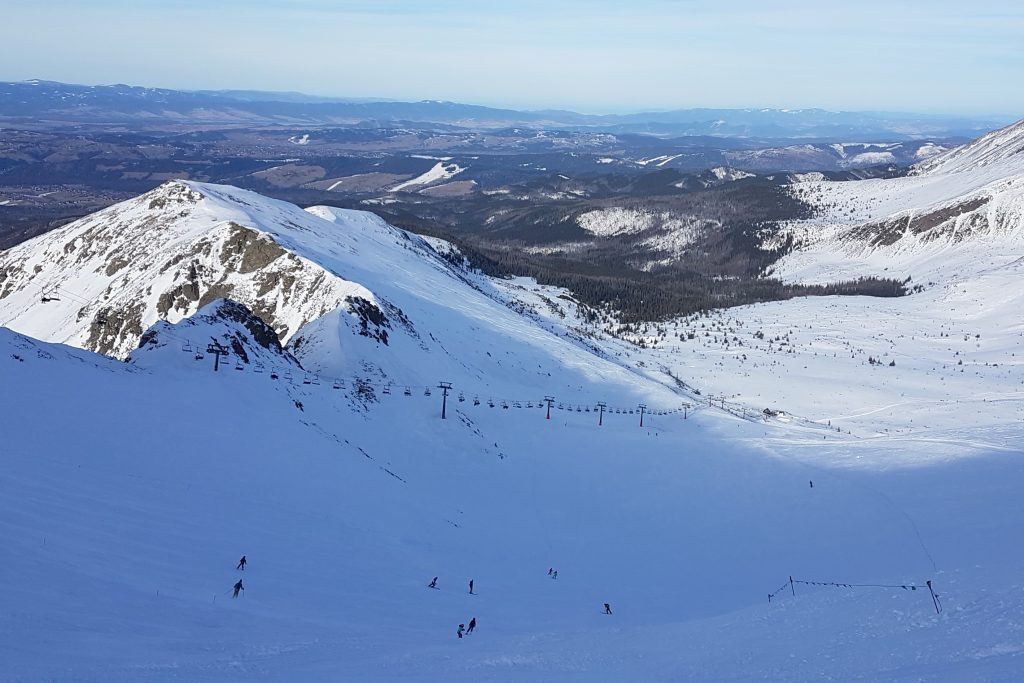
426	391
504	405
238	365
186	347
530	404
199	355
490	402
288	376
258	369
337	384
578	409
587	409
306	380
462	397
316	380
476	400
387	388
408	391
273	374
517	404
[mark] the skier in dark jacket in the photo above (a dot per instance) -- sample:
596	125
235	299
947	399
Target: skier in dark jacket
471	586
241	563
472	626
607	608
433	583
238	587
459	632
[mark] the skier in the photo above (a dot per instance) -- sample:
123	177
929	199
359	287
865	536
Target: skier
812	484
472	626
459	632
238	587
607	608
433	583
554	574
550	570
241	564
471	586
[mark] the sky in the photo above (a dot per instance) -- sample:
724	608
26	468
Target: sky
594	56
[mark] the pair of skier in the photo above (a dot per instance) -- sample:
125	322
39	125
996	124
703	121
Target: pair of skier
463	629
238	586
433	584
553	573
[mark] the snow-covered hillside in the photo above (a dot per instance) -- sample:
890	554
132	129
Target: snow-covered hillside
131	491
960	212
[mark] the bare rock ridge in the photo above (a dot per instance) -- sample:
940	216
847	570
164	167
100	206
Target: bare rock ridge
224	323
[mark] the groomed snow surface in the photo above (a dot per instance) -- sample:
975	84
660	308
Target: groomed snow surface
131	491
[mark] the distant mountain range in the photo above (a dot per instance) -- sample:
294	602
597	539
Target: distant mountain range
47	101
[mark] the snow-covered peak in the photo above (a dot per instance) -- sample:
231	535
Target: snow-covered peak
101	281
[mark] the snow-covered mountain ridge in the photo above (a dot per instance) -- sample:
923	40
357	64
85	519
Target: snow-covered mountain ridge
959	212
347	293
108	277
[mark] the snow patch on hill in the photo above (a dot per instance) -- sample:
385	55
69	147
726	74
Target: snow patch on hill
439	172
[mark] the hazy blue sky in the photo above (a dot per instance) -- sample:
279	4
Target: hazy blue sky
588	55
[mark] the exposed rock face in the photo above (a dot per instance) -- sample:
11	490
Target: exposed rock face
938	224
227	323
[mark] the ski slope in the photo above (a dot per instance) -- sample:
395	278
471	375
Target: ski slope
122	546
